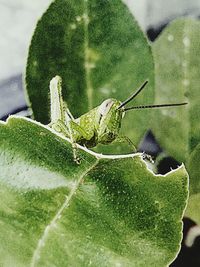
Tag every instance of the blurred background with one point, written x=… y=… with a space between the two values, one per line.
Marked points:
x=17 y=23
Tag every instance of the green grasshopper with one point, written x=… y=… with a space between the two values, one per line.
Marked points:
x=101 y=125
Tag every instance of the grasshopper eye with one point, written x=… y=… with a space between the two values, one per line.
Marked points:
x=105 y=107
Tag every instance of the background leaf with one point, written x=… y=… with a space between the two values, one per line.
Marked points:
x=99 y=51
x=106 y=211
x=177 y=80
x=193 y=167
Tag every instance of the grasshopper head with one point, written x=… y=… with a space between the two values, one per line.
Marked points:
x=111 y=111
x=108 y=120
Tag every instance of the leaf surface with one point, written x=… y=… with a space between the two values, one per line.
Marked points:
x=99 y=51
x=193 y=167
x=107 y=211
x=177 y=80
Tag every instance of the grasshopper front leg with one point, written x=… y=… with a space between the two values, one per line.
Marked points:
x=125 y=139
x=60 y=114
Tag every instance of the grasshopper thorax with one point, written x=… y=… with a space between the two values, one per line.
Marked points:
x=108 y=120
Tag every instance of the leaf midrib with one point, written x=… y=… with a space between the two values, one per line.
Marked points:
x=89 y=88
x=65 y=205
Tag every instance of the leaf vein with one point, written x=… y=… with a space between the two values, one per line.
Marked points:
x=87 y=56
x=51 y=225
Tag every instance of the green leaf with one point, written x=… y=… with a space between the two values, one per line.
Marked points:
x=107 y=211
x=177 y=80
x=194 y=170
x=99 y=51
x=192 y=210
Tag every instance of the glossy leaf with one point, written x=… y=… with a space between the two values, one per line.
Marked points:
x=107 y=211
x=99 y=51
x=177 y=80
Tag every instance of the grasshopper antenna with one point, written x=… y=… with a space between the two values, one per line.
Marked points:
x=133 y=95
x=156 y=106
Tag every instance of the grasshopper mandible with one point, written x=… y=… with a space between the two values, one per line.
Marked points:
x=101 y=125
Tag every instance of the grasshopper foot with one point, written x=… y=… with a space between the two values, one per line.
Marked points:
x=77 y=160
x=147 y=157
x=75 y=156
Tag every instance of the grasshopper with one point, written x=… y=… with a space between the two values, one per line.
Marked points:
x=101 y=125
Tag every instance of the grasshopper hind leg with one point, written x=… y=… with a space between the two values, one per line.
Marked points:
x=57 y=106
x=66 y=131
x=60 y=114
